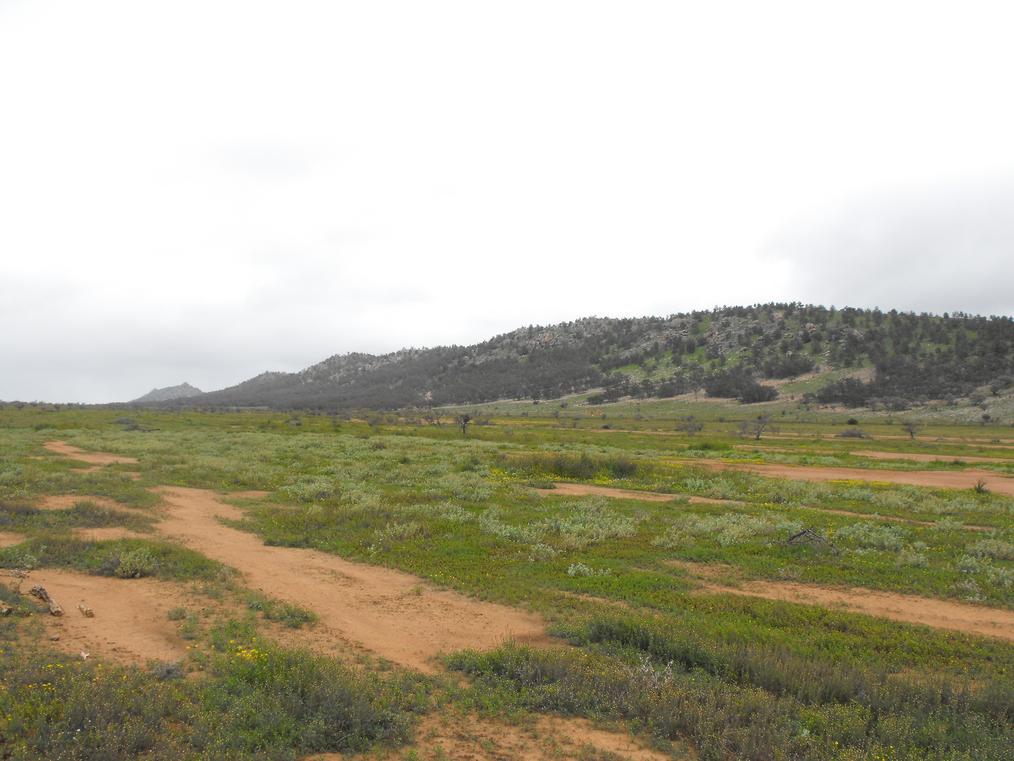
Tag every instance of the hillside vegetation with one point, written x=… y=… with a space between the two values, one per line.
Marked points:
x=725 y=352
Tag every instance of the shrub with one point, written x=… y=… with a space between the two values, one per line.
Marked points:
x=580 y=569
x=872 y=536
x=911 y=558
x=727 y=529
x=996 y=549
x=133 y=564
x=593 y=520
x=540 y=552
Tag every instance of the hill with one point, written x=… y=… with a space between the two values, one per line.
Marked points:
x=726 y=352
x=169 y=393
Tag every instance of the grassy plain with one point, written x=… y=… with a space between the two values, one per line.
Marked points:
x=649 y=633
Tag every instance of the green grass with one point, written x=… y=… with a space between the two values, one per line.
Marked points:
x=737 y=677
x=124 y=558
x=257 y=701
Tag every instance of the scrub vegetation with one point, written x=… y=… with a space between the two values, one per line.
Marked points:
x=657 y=625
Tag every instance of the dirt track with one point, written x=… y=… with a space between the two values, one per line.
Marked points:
x=401 y=618
x=567 y=489
x=391 y=613
x=67 y=501
x=9 y=539
x=939 y=614
x=92 y=458
x=544 y=738
x=935 y=479
x=922 y=457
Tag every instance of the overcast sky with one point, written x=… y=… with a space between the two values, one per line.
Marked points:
x=204 y=190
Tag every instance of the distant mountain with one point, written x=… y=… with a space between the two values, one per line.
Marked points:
x=725 y=351
x=168 y=394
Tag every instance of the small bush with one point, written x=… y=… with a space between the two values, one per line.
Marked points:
x=540 y=552
x=580 y=569
x=727 y=529
x=134 y=564
x=911 y=558
x=872 y=536
x=996 y=549
x=167 y=670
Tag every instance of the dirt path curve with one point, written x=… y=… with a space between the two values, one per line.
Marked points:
x=67 y=501
x=92 y=458
x=130 y=623
x=939 y=614
x=450 y=735
x=391 y=613
x=935 y=479
x=567 y=489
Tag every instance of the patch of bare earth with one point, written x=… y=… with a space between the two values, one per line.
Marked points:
x=390 y=613
x=939 y=614
x=924 y=457
x=9 y=538
x=566 y=489
x=130 y=622
x=67 y=501
x=544 y=738
x=82 y=455
x=935 y=479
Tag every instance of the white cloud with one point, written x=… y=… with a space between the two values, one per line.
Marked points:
x=201 y=190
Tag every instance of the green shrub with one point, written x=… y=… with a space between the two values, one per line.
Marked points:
x=580 y=569
x=996 y=549
x=133 y=564
x=872 y=536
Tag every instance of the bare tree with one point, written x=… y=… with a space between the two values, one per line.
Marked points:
x=689 y=425
x=911 y=428
x=756 y=427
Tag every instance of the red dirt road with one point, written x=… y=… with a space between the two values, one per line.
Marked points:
x=935 y=479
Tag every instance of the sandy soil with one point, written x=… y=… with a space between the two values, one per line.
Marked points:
x=919 y=457
x=939 y=614
x=937 y=479
x=565 y=489
x=9 y=538
x=92 y=458
x=106 y=533
x=545 y=738
x=67 y=501
x=390 y=613
x=970 y=441
x=130 y=623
